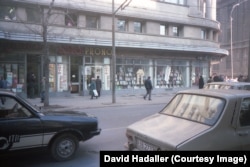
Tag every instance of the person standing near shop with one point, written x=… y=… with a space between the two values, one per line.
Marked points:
x=149 y=87
x=42 y=90
x=31 y=85
x=92 y=88
x=98 y=83
x=201 y=82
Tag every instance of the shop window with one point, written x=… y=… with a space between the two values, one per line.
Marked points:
x=88 y=59
x=33 y=15
x=70 y=19
x=7 y=13
x=122 y=25
x=92 y=22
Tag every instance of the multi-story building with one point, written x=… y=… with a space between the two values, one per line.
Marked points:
x=173 y=41
x=238 y=28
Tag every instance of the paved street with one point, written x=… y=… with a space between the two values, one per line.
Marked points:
x=75 y=101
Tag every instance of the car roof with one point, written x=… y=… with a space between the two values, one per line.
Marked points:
x=6 y=92
x=217 y=92
x=229 y=83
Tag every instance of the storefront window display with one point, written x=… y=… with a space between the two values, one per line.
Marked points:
x=13 y=71
x=58 y=73
x=131 y=73
x=199 y=68
x=171 y=73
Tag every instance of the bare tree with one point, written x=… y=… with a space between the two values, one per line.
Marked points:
x=45 y=21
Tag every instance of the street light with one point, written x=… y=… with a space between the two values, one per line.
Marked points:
x=122 y=6
x=231 y=41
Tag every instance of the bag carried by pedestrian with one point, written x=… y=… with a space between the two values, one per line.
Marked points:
x=95 y=92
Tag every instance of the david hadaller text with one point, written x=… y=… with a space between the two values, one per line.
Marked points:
x=173 y=159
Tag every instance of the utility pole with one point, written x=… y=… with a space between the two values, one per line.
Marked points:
x=113 y=69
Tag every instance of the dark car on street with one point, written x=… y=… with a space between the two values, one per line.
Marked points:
x=23 y=126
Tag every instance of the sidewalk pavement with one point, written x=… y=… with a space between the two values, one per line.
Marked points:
x=75 y=101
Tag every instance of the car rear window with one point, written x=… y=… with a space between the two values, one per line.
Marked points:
x=199 y=108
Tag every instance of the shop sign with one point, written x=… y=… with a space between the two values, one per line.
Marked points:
x=87 y=51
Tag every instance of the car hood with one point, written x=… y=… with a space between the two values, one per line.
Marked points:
x=68 y=119
x=160 y=129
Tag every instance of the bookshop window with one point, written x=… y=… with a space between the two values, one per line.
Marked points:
x=7 y=13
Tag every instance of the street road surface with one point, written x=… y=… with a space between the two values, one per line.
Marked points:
x=113 y=122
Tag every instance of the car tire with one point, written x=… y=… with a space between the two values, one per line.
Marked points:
x=64 y=147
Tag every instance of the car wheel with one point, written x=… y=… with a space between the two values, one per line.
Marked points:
x=64 y=147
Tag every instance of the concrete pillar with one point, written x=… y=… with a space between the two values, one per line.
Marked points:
x=211 y=9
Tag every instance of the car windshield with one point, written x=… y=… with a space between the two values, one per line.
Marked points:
x=198 y=108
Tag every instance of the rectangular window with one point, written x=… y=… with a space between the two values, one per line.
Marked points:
x=203 y=34
x=181 y=2
x=70 y=19
x=92 y=22
x=176 y=31
x=33 y=15
x=7 y=13
x=121 y=25
x=163 y=29
x=138 y=27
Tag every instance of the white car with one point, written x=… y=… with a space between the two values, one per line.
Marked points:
x=228 y=85
x=196 y=120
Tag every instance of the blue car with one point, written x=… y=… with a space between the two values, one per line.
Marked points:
x=23 y=126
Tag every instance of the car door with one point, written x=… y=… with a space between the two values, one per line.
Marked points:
x=243 y=130
x=19 y=127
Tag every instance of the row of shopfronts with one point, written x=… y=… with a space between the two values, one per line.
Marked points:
x=72 y=66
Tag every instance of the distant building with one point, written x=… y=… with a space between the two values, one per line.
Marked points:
x=173 y=41
x=240 y=37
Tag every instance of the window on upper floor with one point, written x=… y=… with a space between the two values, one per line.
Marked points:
x=177 y=31
x=92 y=22
x=121 y=25
x=203 y=34
x=70 y=19
x=7 y=13
x=33 y=15
x=163 y=29
x=138 y=27
x=180 y=2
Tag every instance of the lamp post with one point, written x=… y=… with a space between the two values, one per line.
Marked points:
x=122 y=6
x=231 y=34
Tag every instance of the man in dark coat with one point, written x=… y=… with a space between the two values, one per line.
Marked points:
x=149 y=87
x=98 y=83
x=201 y=82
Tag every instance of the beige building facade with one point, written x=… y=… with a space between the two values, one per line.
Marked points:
x=173 y=41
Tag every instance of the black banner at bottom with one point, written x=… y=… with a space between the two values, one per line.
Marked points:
x=174 y=158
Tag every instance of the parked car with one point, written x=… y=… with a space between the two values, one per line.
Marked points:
x=196 y=120
x=228 y=85
x=23 y=126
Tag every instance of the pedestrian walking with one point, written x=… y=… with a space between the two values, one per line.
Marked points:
x=3 y=83
x=149 y=87
x=201 y=82
x=98 y=83
x=92 y=88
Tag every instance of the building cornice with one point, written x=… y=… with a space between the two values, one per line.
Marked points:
x=108 y=43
